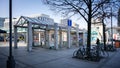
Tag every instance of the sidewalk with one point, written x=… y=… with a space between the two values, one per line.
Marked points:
x=46 y=58
x=114 y=61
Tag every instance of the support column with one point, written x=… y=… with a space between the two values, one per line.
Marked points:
x=69 y=37
x=56 y=35
x=34 y=42
x=15 y=37
x=61 y=43
x=47 y=45
x=45 y=32
x=39 y=39
x=77 y=33
x=30 y=37
x=26 y=37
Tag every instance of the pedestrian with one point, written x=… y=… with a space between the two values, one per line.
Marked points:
x=97 y=47
x=98 y=41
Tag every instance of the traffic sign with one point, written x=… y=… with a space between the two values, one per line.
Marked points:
x=69 y=22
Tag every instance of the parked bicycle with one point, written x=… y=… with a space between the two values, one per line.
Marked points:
x=80 y=53
x=110 y=47
x=103 y=53
x=95 y=52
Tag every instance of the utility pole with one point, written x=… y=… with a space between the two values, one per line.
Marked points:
x=10 y=61
x=111 y=28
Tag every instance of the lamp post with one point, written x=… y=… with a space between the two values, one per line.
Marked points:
x=10 y=61
x=111 y=28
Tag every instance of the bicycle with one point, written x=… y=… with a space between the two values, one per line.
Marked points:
x=110 y=48
x=80 y=53
x=102 y=52
x=96 y=52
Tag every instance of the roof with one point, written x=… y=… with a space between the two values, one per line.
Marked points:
x=3 y=31
x=39 y=22
x=35 y=20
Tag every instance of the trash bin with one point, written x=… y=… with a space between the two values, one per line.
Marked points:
x=117 y=44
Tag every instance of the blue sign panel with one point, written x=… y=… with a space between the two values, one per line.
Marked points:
x=94 y=35
x=69 y=22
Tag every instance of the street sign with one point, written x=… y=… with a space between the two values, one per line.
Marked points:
x=69 y=22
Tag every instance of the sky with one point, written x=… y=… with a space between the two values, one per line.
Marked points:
x=34 y=7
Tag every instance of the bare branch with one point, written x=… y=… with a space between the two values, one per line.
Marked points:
x=73 y=7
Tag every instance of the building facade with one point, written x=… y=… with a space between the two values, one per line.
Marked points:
x=2 y=22
x=96 y=31
x=6 y=24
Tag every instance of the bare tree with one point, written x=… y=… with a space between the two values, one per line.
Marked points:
x=106 y=12
x=87 y=9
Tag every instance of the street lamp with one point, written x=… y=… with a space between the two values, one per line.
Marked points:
x=111 y=28
x=10 y=61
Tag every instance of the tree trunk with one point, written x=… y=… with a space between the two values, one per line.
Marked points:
x=89 y=29
x=104 y=36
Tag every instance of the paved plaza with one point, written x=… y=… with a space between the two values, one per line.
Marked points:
x=47 y=58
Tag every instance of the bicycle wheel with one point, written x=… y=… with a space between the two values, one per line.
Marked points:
x=78 y=54
x=104 y=54
x=74 y=53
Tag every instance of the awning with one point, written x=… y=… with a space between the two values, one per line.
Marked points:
x=3 y=31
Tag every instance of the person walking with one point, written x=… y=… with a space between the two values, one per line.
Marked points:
x=98 y=49
x=98 y=41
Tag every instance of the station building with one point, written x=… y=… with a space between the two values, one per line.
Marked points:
x=43 y=31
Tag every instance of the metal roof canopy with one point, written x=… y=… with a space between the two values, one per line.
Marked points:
x=38 y=24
